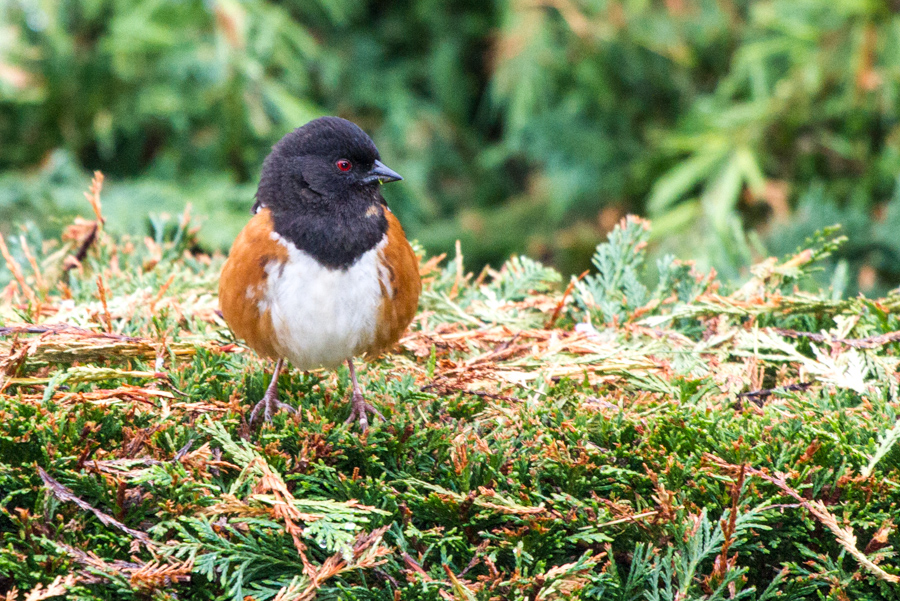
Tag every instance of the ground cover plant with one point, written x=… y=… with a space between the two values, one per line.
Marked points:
x=641 y=432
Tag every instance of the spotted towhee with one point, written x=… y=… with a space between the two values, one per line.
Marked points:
x=322 y=272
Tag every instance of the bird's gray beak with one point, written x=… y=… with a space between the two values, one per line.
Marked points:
x=381 y=173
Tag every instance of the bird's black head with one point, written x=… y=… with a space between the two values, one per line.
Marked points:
x=321 y=183
x=331 y=157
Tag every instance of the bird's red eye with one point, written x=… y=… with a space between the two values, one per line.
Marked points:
x=344 y=165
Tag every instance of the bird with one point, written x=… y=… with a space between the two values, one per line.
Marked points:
x=322 y=272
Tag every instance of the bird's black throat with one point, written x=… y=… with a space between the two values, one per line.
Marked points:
x=336 y=234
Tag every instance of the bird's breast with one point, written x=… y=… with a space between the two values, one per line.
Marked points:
x=285 y=303
x=322 y=316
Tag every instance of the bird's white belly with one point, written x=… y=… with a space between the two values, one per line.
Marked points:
x=322 y=316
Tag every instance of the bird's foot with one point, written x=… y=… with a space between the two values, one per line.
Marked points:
x=270 y=405
x=359 y=408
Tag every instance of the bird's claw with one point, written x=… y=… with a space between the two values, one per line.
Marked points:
x=359 y=408
x=270 y=406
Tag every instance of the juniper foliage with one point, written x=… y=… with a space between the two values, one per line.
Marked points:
x=711 y=443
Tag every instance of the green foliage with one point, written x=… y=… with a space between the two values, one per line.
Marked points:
x=454 y=299
x=520 y=277
x=616 y=289
x=231 y=557
x=699 y=542
x=711 y=443
x=873 y=248
x=740 y=126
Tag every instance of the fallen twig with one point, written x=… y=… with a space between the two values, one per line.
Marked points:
x=869 y=342
x=759 y=396
x=64 y=494
x=845 y=537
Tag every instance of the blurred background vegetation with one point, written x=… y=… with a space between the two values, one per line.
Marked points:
x=530 y=126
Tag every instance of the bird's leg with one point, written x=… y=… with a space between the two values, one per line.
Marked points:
x=358 y=405
x=270 y=400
